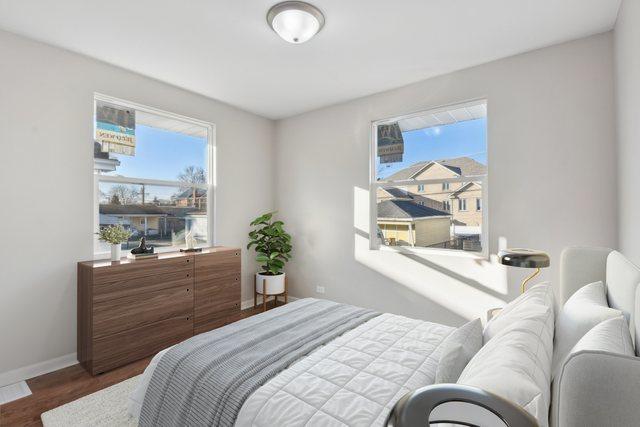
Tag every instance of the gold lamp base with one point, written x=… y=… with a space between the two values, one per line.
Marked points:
x=523 y=285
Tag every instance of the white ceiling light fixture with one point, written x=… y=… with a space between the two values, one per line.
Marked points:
x=295 y=21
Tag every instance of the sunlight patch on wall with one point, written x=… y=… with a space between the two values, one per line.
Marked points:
x=463 y=283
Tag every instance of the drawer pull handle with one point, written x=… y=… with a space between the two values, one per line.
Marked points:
x=187 y=274
x=187 y=289
x=188 y=260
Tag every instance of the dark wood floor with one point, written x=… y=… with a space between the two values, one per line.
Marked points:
x=66 y=385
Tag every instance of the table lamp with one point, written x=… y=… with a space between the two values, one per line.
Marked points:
x=524 y=258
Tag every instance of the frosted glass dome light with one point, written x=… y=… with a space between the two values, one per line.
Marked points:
x=295 y=21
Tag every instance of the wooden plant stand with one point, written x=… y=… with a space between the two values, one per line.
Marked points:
x=265 y=295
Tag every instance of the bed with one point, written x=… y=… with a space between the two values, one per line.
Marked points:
x=353 y=379
x=319 y=363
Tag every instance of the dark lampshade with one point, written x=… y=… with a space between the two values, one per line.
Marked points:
x=526 y=258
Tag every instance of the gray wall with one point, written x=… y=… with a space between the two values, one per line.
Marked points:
x=627 y=60
x=551 y=157
x=46 y=102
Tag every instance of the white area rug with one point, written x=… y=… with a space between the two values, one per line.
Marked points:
x=107 y=407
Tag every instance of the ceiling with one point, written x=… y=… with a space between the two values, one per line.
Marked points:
x=225 y=50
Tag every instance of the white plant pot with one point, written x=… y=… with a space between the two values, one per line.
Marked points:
x=116 y=252
x=269 y=285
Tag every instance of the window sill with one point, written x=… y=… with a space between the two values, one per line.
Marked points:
x=159 y=250
x=434 y=251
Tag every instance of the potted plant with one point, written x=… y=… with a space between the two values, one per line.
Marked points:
x=114 y=235
x=273 y=249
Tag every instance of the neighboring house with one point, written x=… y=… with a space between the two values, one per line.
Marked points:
x=404 y=222
x=159 y=222
x=401 y=194
x=463 y=200
x=192 y=197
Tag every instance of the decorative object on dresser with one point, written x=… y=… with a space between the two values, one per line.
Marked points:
x=134 y=308
x=190 y=242
x=142 y=251
x=273 y=249
x=115 y=235
x=524 y=258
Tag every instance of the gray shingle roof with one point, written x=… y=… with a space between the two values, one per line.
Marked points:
x=406 y=209
x=459 y=165
x=399 y=193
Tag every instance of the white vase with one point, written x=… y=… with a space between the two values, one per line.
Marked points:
x=269 y=285
x=116 y=252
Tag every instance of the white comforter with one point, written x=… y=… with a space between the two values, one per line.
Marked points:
x=352 y=381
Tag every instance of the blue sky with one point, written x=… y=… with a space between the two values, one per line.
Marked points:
x=160 y=155
x=467 y=138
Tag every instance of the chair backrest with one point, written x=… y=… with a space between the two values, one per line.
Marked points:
x=580 y=266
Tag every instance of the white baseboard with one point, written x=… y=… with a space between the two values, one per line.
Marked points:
x=26 y=372
x=249 y=302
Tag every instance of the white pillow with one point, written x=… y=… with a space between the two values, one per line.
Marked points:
x=516 y=363
x=586 y=308
x=457 y=349
x=611 y=336
x=541 y=294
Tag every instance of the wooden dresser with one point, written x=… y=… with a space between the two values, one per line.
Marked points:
x=130 y=309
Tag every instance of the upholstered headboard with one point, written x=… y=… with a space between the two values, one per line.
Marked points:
x=583 y=265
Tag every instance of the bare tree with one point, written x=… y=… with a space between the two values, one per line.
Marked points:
x=192 y=175
x=123 y=194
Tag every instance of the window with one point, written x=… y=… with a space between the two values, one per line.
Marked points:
x=440 y=154
x=153 y=174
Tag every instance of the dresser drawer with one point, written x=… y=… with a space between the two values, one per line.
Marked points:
x=130 y=287
x=141 y=268
x=134 y=344
x=137 y=309
x=215 y=316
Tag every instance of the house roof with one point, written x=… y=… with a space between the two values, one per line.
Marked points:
x=465 y=188
x=398 y=193
x=174 y=211
x=459 y=165
x=188 y=193
x=406 y=209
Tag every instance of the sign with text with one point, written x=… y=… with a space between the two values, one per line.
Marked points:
x=390 y=143
x=116 y=129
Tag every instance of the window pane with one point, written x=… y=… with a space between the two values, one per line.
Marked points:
x=406 y=218
x=446 y=144
x=432 y=146
x=164 y=149
x=160 y=213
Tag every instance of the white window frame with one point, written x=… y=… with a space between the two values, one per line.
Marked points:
x=209 y=186
x=374 y=184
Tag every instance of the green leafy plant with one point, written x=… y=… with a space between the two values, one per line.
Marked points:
x=272 y=244
x=114 y=234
